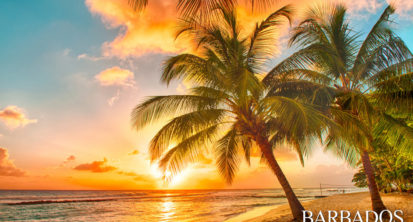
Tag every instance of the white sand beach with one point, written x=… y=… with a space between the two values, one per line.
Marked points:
x=352 y=202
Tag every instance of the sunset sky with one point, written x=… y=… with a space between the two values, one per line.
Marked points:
x=72 y=70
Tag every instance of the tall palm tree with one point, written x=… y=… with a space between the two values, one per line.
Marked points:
x=228 y=108
x=366 y=79
x=189 y=8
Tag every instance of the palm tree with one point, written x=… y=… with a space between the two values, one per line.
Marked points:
x=188 y=8
x=366 y=79
x=228 y=108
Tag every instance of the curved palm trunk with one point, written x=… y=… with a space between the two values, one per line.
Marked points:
x=376 y=201
x=295 y=205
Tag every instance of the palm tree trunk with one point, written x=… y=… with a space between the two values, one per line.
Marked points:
x=295 y=205
x=376 y=201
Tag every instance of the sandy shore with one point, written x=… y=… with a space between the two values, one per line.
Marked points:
x=351 y=202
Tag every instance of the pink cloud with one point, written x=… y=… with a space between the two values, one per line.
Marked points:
x=7 y=167
x=13 y=117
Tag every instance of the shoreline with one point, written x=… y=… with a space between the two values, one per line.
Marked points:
x=351 y=201
x=250 y=214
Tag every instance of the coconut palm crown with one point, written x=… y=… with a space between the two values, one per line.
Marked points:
x=228 y=109
x=367 y=78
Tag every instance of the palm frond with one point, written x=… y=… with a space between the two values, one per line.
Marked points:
x=393 y=70
x=182 y=127
x=187 y=150
x=138 y=5
x=379 y=33
x=342 y=150
x=228 y=155
x=158 y=107
x=246 y=143
x=299 y=60
x=398 y=129
x=203 y=8
x=262 y=40
x=300 y=120
x=395 y=93
x=304 y=90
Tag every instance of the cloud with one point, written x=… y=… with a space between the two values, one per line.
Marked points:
x=282 y=153
x=144 y=178
x=131 y=174
x=96 y=167
x=404 y=8
x=285 y=155
x=152 y=31
x=88 y=57
x=66 y=52
x=116 y=76
x=69 y=159
x=140 y=178
x=13 y=117
x=114 y=98
x=360 y=7
x=364 y=8
x=134 y=152
x=7 y=167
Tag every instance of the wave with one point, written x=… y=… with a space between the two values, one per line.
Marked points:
x=32 y=200
x=58 y=201
x=113 y=198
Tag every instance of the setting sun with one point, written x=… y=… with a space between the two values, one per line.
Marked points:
x=168 y=178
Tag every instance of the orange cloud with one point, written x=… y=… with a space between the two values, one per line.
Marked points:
x=13 y=117
x=140 y=178
x=7 y=167
x=126 y=173
x=115 y=76
x=152 y=31
x=134 y=152
x=71 y=158
x=96 y=166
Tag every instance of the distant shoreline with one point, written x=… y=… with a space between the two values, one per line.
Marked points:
x=351 y=202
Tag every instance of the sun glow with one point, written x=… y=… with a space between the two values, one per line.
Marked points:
x=167 y=177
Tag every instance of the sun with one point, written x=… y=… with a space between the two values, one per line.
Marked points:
x=174 y=179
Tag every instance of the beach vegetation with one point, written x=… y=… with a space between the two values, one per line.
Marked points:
x=367 y=75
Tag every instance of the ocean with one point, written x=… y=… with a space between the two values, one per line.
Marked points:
x=141 y=205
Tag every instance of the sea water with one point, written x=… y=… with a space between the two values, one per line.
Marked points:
x=141 y=205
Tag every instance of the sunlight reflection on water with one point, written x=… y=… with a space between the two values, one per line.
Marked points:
x=168 y=209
